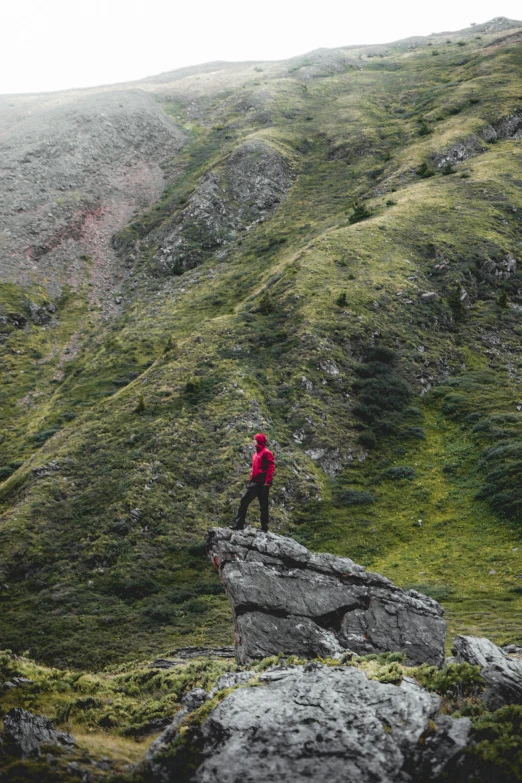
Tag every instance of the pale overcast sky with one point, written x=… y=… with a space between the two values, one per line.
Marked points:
x=59 y=44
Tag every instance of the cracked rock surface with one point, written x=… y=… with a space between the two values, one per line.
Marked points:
x=286 y=599
x=25 y=733
x=317 y=722
x=231 y=198
x=502 y=673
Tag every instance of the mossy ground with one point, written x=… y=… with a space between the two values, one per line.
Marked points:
x=149 y=415
x=114 y=715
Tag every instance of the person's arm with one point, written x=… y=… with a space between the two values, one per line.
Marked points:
x=271 y=468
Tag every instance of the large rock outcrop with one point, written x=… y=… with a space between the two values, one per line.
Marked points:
x=317 y=722
x=287 y=599
x=230 y=198
x=502 y=673
x=25 y=733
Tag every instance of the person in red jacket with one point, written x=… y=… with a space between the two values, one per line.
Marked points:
x=259 y=483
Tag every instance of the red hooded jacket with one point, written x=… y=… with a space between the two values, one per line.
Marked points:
x=263 y=464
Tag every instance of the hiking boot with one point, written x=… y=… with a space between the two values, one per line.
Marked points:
x=237 y=526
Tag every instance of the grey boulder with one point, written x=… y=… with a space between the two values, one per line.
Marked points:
x=320 y=723
x=286 y=599
x=502 y=674
x=25 y=733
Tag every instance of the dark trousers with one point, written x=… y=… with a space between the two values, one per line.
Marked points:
x=259 y=491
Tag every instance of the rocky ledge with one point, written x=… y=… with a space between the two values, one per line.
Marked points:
x=286 y=599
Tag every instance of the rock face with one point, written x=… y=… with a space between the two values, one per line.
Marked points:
x=287 y=599
x=502 y=674
x=459 y=151
x=25 y=733
x=253 y=181
x=315 y=722
x=509 y=127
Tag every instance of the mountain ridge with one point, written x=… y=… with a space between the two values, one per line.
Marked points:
x=365 y=312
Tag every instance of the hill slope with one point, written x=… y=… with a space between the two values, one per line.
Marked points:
x=327 y=249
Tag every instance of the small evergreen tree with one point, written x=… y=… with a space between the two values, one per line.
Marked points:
x=424 y=128
x=360 y=212
x=425 y=170
x=140 y=407
x=455 y=302
x=502 y=300
x=265 y=304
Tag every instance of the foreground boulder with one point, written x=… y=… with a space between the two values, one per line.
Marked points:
x=25 y=733
x=502 y=674
x=286 y=599
x=316 y=722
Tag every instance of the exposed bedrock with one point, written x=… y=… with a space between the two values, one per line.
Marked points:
x=231 y=198
x=317 y=722
x=502 y=673
x=286 y=599
x=25 y=733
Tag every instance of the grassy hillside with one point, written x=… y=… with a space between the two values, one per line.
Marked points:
x=368 y=319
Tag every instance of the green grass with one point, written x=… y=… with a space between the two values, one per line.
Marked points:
x=154 y=409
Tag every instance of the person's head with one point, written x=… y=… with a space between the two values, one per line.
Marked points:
x=259 y=440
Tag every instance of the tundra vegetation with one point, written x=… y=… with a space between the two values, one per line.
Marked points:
x=336 y=260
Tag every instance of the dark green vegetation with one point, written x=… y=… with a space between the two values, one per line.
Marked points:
x=114 y=714
x=376 y=340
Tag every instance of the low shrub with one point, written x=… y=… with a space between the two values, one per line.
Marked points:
x=43 y=435
x=456 y=680
x=413 y=433
x=386 y=392
x=498 y=745
x=371 y=369
x=502 y=300
x=195 y=606
x=425 y=170
x=360 y=212
x=437 y=592
x=400 y=472
x=391 y=674
x=367 y=439
x=380 y=353
x=5 y=472
x=192 y=387
x=265 y=305
x=355 y=497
